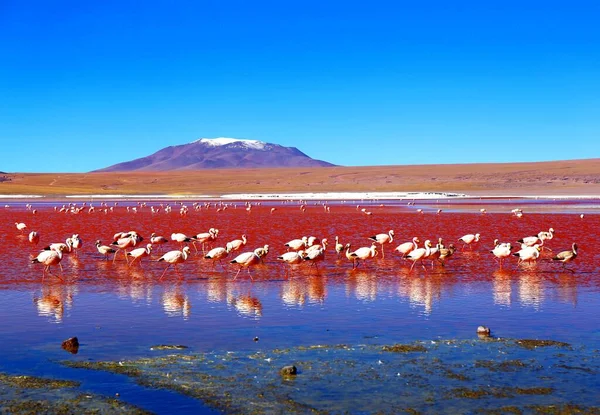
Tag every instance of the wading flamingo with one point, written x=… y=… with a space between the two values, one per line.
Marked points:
x=174 y=258
x=383 y=238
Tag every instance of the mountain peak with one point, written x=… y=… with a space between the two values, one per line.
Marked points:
x=223 y=141
x=220 y=153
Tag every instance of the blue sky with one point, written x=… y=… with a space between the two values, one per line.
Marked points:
x=84 y=85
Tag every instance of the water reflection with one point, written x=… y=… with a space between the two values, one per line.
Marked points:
x=54 y=300
x=531 y=289
x=295 y=292
x=502 y=287
x=245 y=304
x=362 y=284
x=420 y=292
x=175 y=302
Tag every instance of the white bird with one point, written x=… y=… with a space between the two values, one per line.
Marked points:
x=339 y=248
x=292 y=258
x=124 y=243
x=245 y=260
x=501 y=251
x=139 y=253
x=158 y=240
x=383 y=238
x=262 y=252
x=316 y=253
x=20 y=226
x=49 y=258
x=469 y=239
x=363 y=254
x=174 y=258
x=406 y=247
x=76 y=242
x=297 y=244
x=419 y=254
x=217 y=254
x=237 y=243
x=66 y=247
x=528 y=253
x=180 y=237
x=34 y=237
x=104 y=250
x=205 y=237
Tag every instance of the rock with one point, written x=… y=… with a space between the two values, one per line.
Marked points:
x=288 y=371
x=256 y=339
x=483 y=331
x=71 y=345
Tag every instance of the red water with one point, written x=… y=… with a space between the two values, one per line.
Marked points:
x=118 y=311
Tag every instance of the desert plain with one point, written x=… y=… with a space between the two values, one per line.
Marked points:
x=565 y=178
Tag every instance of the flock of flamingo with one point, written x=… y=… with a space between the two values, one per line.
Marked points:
x=307 y=249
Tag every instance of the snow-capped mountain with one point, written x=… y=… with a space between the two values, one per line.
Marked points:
x=219 y=153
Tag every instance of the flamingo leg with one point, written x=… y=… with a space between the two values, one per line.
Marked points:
x=163 y=274
x=237 y=273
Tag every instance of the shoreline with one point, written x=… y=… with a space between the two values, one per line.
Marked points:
x=333 y=196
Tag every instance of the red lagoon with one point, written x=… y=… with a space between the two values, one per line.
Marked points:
x=119 y=310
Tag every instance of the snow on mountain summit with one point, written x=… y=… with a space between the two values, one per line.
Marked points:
x=222 y=141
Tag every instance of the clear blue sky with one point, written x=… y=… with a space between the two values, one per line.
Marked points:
x=87 y=84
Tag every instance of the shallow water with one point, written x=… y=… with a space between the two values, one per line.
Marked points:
x=119 y=312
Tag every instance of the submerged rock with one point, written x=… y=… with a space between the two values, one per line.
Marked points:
x=169 y=347
x=71 y=345
x=289 y=370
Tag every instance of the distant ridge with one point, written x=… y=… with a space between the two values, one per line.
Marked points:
x=219 y=153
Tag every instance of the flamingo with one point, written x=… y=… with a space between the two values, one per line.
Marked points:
x=406 y=247
x=20 y=226
x=297 y=244
x=50 y=258
x=217 y=254
x=292 y=258
x=530 y=241
x=363 y=253
x=104 y=250
x=528 y=253
x=139 y=253
x=123 y=244
x=469 y=239
x=174 y=258
x=203 y=238
x=434 y=253
x=247 y=260
x=566 y=256
x=501 y=251
x=157 y=239
x=237 y=243
x=419 y=254
x=67 y=246
x=76 y=242
x=316 y=253
x=34 y=237
x=383 y=238
x=262 y=252
x=181 y=238
x=446 y=253
x=339 y=248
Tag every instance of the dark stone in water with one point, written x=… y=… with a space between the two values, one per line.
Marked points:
x=71 y=345
x=290 y=370
x=256 y=339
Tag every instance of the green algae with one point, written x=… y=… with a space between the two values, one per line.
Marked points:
x=26 y=395
x=533 y=344
x=33 y=382
x=169 y=347
x=449 y=376
x=404 y=348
